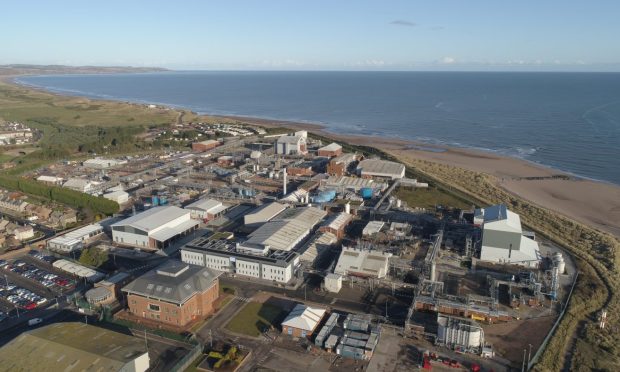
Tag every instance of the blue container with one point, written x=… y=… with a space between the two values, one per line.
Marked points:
x=366 y=192
x=163 y=200
x=155 y=201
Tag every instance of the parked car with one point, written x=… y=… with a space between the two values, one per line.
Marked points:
x=35 y=321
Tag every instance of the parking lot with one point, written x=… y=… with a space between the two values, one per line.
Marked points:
x=29 y=282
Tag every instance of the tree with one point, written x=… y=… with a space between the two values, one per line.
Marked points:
x=93 y=257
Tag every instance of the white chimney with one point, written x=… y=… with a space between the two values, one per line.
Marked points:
x=284 y=182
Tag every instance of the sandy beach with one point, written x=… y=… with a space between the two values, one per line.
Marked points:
x=594 y=203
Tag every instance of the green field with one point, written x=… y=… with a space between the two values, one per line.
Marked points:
x=255 y=318
x=428 y=198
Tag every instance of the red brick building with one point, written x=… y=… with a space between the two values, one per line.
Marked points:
x=302 y=321
x=338 y=165
x=175 y=293
x=205 y=145
x=331 y=150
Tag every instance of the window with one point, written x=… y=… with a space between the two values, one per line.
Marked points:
x=153 y=307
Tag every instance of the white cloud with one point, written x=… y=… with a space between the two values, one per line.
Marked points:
x=447 y=60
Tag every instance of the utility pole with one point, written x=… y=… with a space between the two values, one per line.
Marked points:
x=529 y=356
x=523 y=364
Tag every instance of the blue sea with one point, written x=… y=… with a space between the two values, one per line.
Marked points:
x=568 y=121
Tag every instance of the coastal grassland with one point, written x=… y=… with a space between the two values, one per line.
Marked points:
x=31 y=106
x=429 y=198
x=577 y=343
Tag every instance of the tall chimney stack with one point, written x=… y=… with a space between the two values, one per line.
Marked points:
x=284 y=182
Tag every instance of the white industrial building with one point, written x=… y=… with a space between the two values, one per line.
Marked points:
x=206 y=209
x=74 y=240
x=224 y=255
x=333 y=283
x=381 y=168
x=263 y=214
x=364 y=263
x=52 y=180
x=155 y=228
x=502 y=237
x=78 y=270
x=372 y=228
x=101 y=163
x=118 y=196
x=459 y=333
x=285 y=231
x=292 y=145
x=79 y=184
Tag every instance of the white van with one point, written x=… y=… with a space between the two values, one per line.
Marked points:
x=35 y=321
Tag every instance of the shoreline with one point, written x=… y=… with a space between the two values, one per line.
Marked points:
x=593 y=202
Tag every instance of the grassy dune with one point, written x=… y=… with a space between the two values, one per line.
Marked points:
x=33 y=106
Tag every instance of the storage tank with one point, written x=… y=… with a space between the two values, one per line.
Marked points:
x=366 y=192
x=155 y=201
x=163 y=200
x=558 y=261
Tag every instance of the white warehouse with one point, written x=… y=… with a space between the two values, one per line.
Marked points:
x=156 y=228
x=502 y=238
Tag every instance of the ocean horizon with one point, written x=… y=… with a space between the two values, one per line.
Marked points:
x=566 y=121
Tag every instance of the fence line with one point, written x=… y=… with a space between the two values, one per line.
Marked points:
x=542 y=347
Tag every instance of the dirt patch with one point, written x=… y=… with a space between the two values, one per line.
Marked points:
x=510 y=339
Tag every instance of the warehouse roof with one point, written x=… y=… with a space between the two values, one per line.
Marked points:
x=316 y=246
x=71 y=346
x=265 y=212
x=381 y=168
x=204 y=204
x=331 y=147
x=279 y=235
x=174 y=281
x=339 y=221
x=304 y=317
x=153 y=218
x=309 y=216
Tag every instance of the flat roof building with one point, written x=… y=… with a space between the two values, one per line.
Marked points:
x=174 y=293
x=364 y=263
x=381 y=168
x=74 y=346
x=225 y=255
x=155 y=228
x=74 y=240
x=118 y=196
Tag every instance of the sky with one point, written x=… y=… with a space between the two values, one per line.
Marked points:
x=548 y=35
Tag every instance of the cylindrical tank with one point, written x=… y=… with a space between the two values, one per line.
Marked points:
x=398 y=203
x=163 y=200
x=347 y=208
x=155 y=201
x=271 y=174
x=366 y=192
x=558 y=261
